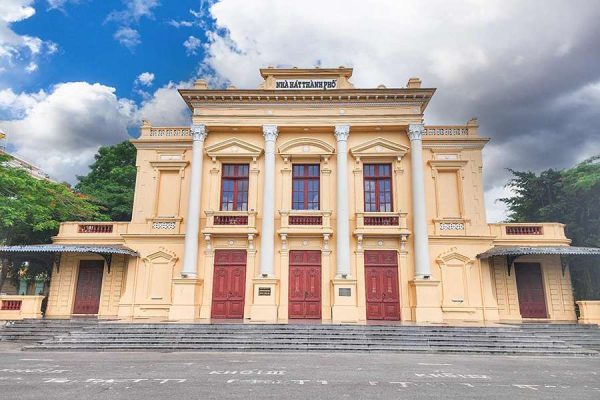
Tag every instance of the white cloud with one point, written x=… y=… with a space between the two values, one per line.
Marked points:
x=166 y=107
x=134 y=11
x=192 y=44
x=128 y=37
x=60 y=4
x=15 y=49
x=60 y=131
x=31 y=67
x=145 y=79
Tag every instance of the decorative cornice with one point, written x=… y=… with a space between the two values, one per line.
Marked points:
x=270 y=132
x=199 y=132
x=342 y=132
x=415 y=131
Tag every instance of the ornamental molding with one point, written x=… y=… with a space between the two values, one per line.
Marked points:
x=379 y=147
x=305 y=146
x=199 y=132
x=453 y=254
x=415 y=131
x=162 y=255
x=233 y=148
x=270 y=132
x=342 y=132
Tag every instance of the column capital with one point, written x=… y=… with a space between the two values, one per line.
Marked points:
x=199 y=132
x=415 y=131
x=342 y=132
x=270 y=132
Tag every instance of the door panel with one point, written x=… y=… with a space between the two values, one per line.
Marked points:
x=305 y=285
x=229 y=284
x=381 y=285
x=89 y=286
x=530 y=288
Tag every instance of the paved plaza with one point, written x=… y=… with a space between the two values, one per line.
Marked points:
x=247 y=376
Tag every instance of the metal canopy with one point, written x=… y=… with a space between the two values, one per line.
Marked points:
x=52 y=252
x=512 y=253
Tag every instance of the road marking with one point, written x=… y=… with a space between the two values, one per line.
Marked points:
x=434 y=364
x=36 y=359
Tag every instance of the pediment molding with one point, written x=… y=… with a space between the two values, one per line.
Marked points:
x=233 y=148
x=162 y=255
x=306 y=146
x=379 y=147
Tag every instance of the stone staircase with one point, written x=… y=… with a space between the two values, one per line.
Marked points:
x=92 y=335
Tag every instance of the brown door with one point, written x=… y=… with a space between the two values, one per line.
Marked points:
x=530 y=288
x=89 y=285
x=229 y=284
x=305 y=285
x=381 y=275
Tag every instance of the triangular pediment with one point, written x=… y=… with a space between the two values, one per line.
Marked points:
x=233 y=147
x=305 y=146
x=379 y=147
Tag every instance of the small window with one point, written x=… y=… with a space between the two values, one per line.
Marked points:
x=305 y=187
x=378 y=187
x=234 y=187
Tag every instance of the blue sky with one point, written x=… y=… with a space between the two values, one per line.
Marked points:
x=88 y=51
x=77 y=74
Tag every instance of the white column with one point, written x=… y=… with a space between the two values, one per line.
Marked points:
x=192 y=223
x=421 y=236
x=342 y=221
x=267 y=233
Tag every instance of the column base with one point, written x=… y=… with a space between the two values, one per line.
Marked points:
x=264 y=301
x=187 y=295
x=344 y=308
x=426 y=305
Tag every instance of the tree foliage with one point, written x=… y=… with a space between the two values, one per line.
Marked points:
x=572 y=197
x=31 y=209
x=111 y=180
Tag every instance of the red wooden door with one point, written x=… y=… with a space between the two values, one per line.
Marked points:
x=381 y=275
x=305 y=285
x=530 y=288
x=89 y=285
x=229 y=284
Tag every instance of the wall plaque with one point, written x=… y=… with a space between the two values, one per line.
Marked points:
x=306 y=84
x=345 y=292
x=264 y=291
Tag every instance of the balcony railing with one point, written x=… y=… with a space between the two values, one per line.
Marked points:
x=11 y=305
x=305 y=220
x=524 y=230
x=381 y=221
x=95 y=228
x=231 y=220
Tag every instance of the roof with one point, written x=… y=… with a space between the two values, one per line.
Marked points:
x=68 y=248
x=554 y=250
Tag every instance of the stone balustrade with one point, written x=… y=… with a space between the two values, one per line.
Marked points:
x=548 y=232
x=20 y=307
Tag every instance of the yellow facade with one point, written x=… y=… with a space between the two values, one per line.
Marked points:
x=459 y=286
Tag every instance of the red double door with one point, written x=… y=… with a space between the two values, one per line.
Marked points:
x=305 y=285
x=530 y=288
x=89 y=286
x=229 y=284
x=381 y=276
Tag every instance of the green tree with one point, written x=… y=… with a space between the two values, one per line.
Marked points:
x=111 y=180
x=572 y=197
x=31 y=209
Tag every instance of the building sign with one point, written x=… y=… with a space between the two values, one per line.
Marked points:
x=345 y=292
x=264 y=291
x=306 y=84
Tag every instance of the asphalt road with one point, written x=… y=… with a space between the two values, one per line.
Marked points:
x=248 y=376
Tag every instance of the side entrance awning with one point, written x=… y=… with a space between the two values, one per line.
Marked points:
x=512 y=253
x=50 y=253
